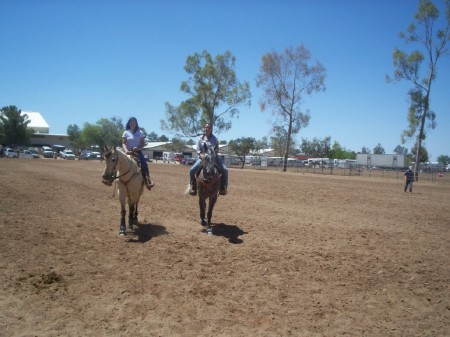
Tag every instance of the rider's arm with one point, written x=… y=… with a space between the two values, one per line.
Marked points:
x=124 y=145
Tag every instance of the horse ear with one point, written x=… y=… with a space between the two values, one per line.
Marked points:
x=205 y=146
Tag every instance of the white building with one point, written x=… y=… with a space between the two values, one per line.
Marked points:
x=37 y=122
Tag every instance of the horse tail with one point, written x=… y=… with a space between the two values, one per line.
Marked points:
x=188 y=187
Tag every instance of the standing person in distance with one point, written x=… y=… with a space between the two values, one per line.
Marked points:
x=208 y=137
x=409 y=178
x=132 y=144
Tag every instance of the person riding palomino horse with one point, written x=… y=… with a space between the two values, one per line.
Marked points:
x=208 y=137
x=125 y=170
x=132 y=144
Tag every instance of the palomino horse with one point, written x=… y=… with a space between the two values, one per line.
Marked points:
x=125 y=169
x=208 y=183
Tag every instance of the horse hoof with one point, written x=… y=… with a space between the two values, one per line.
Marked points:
x=204 y=223
x=122 y=231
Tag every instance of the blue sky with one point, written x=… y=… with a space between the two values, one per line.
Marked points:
x=78 y=61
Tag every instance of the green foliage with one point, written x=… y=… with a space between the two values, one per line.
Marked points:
x=242 y=147
x=163 y=138
x=423 y=157
x=365 y=150
x=262 y=144
x=280 y=141
x=319 y=147
x=286 y=78
x=13 y=126
x=431 y=45
x=104 y=132
x=339 y=152
x=177 y=145
x=74 y=133
x=401 y=150
x=379 y=149
x=152 y=137
x=212 y=85
x=444 y=159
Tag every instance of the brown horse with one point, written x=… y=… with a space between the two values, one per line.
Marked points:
x=208 y=183
x=125 y=169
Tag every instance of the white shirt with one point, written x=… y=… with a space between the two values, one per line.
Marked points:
x=133 y=139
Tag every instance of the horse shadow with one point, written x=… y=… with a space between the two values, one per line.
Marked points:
x=145 y=232
x=231 y=232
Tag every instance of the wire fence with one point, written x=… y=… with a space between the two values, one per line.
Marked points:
x=426 y=174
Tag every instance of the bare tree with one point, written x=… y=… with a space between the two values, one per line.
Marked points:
x=286 y=78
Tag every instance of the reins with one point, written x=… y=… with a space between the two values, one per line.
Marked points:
x=125 y=183
x=207 y=182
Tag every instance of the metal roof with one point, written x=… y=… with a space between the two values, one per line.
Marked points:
x=37 y=122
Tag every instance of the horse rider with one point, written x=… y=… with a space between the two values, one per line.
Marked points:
x=208 y=137
x=132 y=144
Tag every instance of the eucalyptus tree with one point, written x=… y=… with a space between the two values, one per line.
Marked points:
x=14 y=126
x=431 y=45
x=74 y=133
x=242 y=147
x=215 y=95
x=443 y=159
x=104 y=132
x=286 y=79
x=318 y=147
x=401 y=150
x=378 y=149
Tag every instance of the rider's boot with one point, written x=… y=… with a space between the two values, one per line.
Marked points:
x=148 y=182
x=193 y=188
x=223 y=190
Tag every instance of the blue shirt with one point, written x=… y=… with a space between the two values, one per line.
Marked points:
x=409 y=175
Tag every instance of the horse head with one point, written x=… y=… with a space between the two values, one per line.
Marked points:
x=109 y=156
x=208 y=160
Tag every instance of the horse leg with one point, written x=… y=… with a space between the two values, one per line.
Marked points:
x=212 y=202
x=131 y=216
x=135 y=217
x=123 y=212
x=202 y=204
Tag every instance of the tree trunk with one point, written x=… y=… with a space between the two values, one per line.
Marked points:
x=422 y=127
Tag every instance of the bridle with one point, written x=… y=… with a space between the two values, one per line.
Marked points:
x=114 y=175
x=212 y=177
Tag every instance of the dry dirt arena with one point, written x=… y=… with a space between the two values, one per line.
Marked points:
x=292 y=255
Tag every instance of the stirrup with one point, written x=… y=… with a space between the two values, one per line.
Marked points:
x=148 y=183
x=223 y=191
x=193 y=190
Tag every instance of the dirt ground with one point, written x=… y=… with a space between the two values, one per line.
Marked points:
x=293 y=254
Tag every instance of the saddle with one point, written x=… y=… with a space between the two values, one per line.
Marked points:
x=200 y=168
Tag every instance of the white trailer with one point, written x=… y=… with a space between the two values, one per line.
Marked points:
x=381 y=160
x=168 y=156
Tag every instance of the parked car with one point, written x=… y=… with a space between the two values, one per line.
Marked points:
x=97 y=155
x=26 y=154
x=86 y=155
x=10 y=153
x=34 y=153
x=190 y=161
x=67 y=154
x=47 y=153
x=178 y=158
